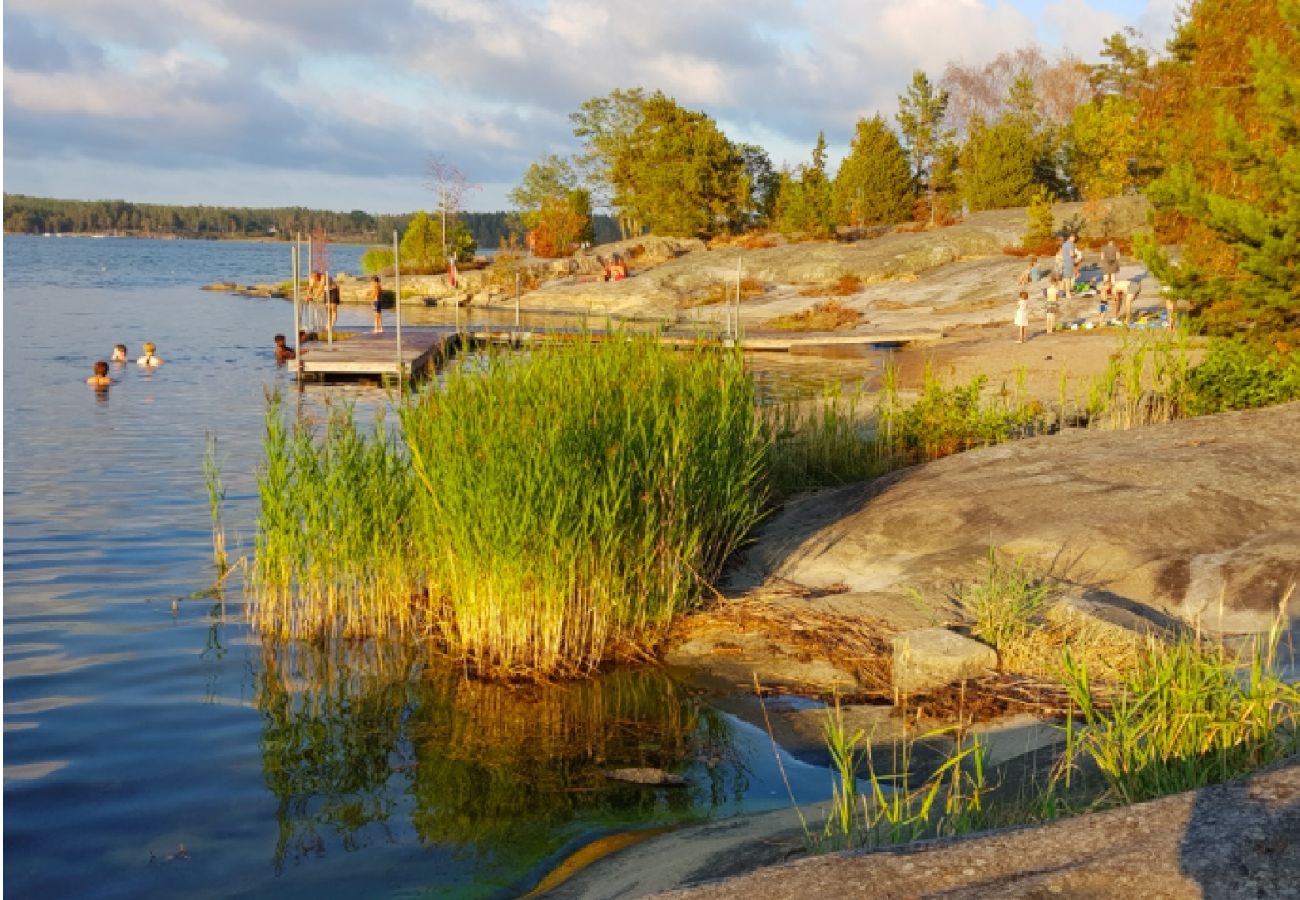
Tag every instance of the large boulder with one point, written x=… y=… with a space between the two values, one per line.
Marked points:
x=1198 y=520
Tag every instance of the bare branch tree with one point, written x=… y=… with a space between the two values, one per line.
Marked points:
x=450 y=185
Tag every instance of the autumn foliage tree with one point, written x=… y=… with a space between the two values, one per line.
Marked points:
x=1228 y=108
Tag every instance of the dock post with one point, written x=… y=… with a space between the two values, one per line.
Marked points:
x=397 y=307
x=739 y=262
x=516 y=299
x=297 y=313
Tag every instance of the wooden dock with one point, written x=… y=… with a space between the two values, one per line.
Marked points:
x=425 y=347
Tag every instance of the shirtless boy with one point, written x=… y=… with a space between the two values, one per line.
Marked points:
x=100 y=379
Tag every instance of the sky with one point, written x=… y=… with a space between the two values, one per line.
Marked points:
x=341 y=105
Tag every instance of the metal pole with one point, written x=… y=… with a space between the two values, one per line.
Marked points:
x=516 y=299
x=397 y=306
x=297 y=345
x=739 y=262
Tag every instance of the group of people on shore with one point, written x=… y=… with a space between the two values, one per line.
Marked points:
x=148 y=360
x=1116 y=296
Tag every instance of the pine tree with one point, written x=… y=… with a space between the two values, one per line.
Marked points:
x=920 y=112
x=874 y=184
x=803 y=205
x=1256 y=219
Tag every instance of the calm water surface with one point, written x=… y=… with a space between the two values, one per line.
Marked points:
x=153 y=747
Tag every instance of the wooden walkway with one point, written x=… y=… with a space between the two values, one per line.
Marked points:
x=424 y=347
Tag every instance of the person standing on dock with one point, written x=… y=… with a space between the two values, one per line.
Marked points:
x=332 y=300
x=376 y=295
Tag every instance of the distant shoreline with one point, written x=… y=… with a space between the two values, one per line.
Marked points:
x=172 y=236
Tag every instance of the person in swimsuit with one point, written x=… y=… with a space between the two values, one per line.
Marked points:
x=149 y=359
x=100 y=379
x=376 y=297
x=332 y=300
x=283 y=351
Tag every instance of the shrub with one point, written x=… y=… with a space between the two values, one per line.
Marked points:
x=376 y=259
x=1238 y=376
x=826 y=316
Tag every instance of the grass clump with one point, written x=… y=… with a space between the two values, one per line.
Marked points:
x=826 y=316
x=1187 y=715
x=1007 y=605
x=946 y=420
x=896 y=807
x=725 y=292
x=534 y=518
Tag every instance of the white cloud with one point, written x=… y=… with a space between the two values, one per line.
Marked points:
x=368 y=92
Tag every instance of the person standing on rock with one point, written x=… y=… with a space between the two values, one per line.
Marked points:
x=1067 y=261
x=1053 y=305
x=1022 y=316
x=1109 y=262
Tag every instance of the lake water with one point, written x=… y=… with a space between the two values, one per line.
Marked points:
x=153 y=747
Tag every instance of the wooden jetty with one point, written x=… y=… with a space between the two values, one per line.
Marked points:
x=424 y=347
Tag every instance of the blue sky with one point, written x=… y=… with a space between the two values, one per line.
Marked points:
x=340 y=105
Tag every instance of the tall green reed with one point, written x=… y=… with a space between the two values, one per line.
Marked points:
x=536 y=517
x=216 y=496
x=1189 y=714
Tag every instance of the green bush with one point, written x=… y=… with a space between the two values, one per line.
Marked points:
x=1237 y=376
x=376 y=259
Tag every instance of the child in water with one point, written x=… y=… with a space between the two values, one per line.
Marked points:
x=100 y=379
x=119 y=353
x=149 y=360
x=282 y=351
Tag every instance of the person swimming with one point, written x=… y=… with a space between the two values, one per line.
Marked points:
x=100 y=379
x=119 y=353
x=282 y=351
x=149 y=359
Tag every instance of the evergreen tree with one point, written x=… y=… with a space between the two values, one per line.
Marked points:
x=920 y=113
x=678 y=174
x=803 y=205
x=874 y=183
x=997 y=164
x=1252 y=282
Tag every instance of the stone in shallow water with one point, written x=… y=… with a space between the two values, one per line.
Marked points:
x=932 y=657
x=646 y=776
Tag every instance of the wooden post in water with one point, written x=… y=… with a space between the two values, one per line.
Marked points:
x=739 y=263
x=516 y=300
x=397 y=307
x=297 y=312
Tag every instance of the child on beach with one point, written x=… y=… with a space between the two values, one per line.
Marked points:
x=1022 y=316
x=119 y=353
x=375 y=296
x=149 y=360
x=1053 y=304
x=100 y=379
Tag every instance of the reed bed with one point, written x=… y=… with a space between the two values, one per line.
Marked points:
x=536 y=518
x=1187 y=715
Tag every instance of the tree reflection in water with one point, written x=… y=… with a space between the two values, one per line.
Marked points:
x=369 y=743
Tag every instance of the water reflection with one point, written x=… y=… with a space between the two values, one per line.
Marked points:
x=360 y=747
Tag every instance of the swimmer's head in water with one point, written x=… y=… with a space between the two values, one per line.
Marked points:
x=149 y=348
x=119 y=351
x=101 y=369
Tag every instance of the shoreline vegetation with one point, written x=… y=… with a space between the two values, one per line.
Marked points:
x=534 y=531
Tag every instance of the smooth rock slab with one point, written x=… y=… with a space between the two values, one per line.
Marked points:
x=933 y=657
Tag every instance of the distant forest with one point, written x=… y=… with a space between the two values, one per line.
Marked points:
x=39 y=215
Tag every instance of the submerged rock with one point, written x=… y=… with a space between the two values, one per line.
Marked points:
x=646 y=775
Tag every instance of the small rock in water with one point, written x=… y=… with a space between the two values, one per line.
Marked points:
x=646 y=776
